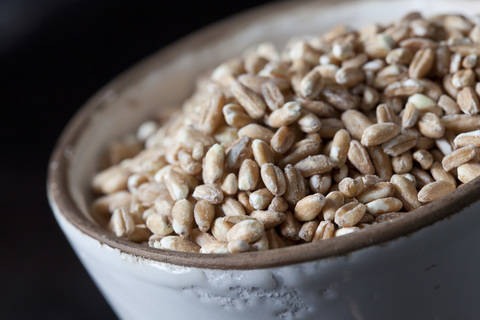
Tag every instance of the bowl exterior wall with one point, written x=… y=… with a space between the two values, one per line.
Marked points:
x=431 y=274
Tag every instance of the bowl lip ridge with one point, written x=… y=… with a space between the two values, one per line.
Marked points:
x=63 y=203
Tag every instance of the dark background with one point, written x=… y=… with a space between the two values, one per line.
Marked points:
x=54 y=54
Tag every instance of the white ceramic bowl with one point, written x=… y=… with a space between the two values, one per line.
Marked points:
x=423 y=266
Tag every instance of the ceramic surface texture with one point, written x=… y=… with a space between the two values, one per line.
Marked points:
x=432 y=274
x=429 y=274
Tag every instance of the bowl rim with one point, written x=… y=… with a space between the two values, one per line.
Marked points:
x=63 y=203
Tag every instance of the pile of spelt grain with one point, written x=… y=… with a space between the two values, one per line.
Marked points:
x=331 y=135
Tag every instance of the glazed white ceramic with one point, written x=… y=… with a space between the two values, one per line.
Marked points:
x=431 y=273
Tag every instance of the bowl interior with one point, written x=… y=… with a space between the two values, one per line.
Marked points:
x=165 y=79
